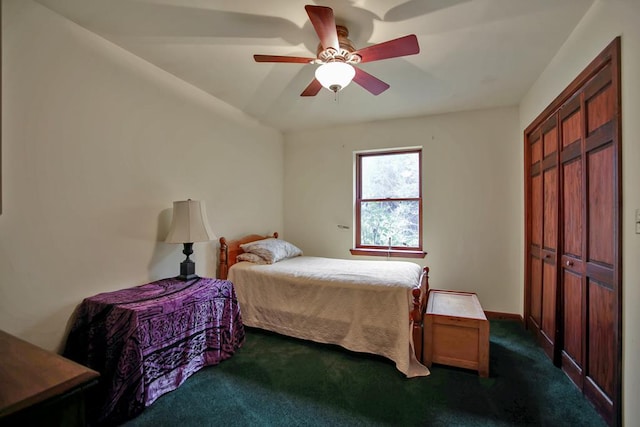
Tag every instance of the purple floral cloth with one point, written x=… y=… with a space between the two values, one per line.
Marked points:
x=147 y=340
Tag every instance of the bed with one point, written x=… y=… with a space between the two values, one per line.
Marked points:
x=373 y=307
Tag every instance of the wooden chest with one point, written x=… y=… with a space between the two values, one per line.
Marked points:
x=456 y=331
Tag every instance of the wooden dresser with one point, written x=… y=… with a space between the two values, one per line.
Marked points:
x=38 y=387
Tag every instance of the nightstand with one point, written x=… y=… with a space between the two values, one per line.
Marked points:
x=147 y=340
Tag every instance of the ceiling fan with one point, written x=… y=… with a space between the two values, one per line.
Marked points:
x=337 y=55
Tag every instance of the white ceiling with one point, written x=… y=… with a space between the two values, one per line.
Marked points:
x=474 y=53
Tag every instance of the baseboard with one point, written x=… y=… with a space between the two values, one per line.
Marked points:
x=496 y=315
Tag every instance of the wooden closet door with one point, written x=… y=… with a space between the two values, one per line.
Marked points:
x=542 y=298
x=534 y=295
x=548 y=327
x=589 y=248
x=573 y=231
x=602 y=241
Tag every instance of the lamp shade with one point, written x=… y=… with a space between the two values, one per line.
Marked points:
x=335 y=76
x=189 y=223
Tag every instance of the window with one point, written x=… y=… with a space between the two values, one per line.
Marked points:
x=389 y=203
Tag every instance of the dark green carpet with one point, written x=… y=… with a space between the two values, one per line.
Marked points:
x=278 y=381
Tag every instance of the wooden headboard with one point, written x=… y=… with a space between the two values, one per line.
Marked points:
x=230 y=249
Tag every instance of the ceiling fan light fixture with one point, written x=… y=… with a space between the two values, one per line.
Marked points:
x=335 y=75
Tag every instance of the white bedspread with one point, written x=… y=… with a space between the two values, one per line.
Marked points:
x=360 y=305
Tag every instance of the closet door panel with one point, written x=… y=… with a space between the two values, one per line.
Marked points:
x=550 y=222
x=600 y=208
x=572 y=354
x=550 y=137
x=600 y=99
x=572 y=200
x=536 y=152
x=571 y=128
x=601 y=347
x=536 y=217
x=549 y=302
x=536 y=291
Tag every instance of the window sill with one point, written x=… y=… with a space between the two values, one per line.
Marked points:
x=385 y=252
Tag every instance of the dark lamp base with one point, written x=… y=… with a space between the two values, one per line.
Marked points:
x=187 y=267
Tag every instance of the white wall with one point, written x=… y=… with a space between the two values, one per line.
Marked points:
x=472 y=191
x=97 y=144
x=604 y=21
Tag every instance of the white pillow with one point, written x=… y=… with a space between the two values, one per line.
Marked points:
x=256 y=259
x=272 y=250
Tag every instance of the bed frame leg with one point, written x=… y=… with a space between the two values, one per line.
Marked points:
x=417 y=324
x=223 y=267
x=420 y=295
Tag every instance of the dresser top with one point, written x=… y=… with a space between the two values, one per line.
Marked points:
x=30 y=374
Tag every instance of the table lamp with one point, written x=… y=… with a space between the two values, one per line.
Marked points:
x=188 y=225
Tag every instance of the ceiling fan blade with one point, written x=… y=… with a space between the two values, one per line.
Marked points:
x=288 y=59
x=370 y=83
x=403 y=46
x=325 y=25
x=313 y=88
